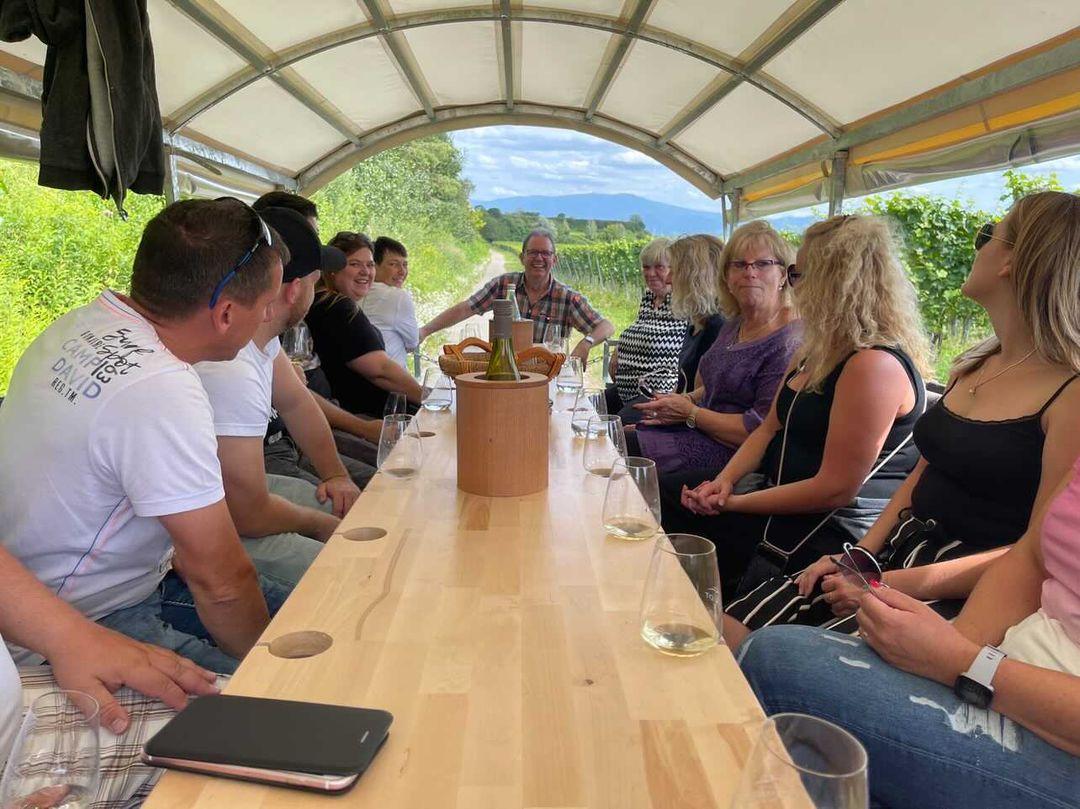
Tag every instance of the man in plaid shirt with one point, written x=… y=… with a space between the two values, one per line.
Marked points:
x=540 y=298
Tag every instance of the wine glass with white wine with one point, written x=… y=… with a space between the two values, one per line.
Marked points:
x=632 y=501
x=681 y=610
x=55 y=760
x=605 y=443
x=400 y=452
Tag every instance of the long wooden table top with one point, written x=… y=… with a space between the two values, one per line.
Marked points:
x=503 y=635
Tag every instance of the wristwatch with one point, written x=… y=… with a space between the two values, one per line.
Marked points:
x=974 y=686
x=691 y=420
x=590 y=339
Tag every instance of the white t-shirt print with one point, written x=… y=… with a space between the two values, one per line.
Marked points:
x=104 y=430
x=241 y=390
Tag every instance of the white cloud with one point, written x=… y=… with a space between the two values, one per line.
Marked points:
x=629 y=157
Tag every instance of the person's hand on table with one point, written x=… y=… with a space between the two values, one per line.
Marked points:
x=842 y=594
x=667 y=408
x=809 y=577
x=98 y=661
x=708 y=498
x=911 y=636
x=581 y=351
x=341 y=490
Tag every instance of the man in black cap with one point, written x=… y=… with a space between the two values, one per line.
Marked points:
x=283 y=520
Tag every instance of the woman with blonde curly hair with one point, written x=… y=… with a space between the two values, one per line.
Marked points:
x=992 y=449
x=836 y=442
x=734 y=382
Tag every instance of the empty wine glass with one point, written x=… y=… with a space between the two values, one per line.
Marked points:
x=55 y=759
x=400 y=453
x=570 y=376
x=681 y=610
x=604 y=444
x=803 y=761
x=589 y=402
x=297 y=343
x=554 y=338
x=656 y=383
x=396 y=404
x=438 y=390
x=632 y=501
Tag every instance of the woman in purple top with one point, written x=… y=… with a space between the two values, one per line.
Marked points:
x=738 y=376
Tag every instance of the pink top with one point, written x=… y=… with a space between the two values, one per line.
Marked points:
x=1061 y=556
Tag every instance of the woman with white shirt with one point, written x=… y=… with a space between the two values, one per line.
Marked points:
x=389 y=306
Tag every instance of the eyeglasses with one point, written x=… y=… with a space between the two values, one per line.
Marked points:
x=545 y=254
x=793 y=274
x=985 y=234
x=759 y=265
x=264 y=237
x=859 y=563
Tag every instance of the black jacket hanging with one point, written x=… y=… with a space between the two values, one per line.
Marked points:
x=101 y=124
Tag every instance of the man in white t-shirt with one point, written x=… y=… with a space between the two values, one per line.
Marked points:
x=245 y=391
x=111 y=489
x=388 y=305
x=136 y=686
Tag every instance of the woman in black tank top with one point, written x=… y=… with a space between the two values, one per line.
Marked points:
x=836 y=443
x=992 y=449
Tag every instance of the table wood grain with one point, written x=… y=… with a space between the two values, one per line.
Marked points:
x=503 y=635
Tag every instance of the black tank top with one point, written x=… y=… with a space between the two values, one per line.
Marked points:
x=981 y=476
x=809 y=427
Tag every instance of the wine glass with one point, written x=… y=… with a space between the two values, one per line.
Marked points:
x=632 y=501
x=681 y=610
x=400 y=453
x=297 y=343
x=554 y=338
x=604 y=444
x=589 y=402
x=570 y=376
x=655 y=383
x=803 y=761
x=438 y=390
x=55 y=759
x=396 y=404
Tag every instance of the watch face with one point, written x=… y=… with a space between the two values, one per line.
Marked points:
x=973 y=693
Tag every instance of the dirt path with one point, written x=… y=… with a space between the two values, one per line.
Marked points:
x=496 y=265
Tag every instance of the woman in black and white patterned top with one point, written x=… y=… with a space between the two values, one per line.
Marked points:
x=650 y=345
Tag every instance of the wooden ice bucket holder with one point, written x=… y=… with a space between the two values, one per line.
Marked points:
x=523 y=334
x=502 y=435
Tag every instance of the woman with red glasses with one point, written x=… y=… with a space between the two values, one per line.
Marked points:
x=991 y=449
x=835 y=444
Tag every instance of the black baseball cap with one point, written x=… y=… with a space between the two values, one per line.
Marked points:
x=308 y=253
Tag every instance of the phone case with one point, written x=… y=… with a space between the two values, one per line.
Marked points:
x=273 y=734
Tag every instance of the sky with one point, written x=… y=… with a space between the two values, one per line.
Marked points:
x=503 y=161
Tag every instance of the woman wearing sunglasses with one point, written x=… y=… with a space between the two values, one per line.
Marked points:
x=991 y=449
x=835 y=444
x=981 y=713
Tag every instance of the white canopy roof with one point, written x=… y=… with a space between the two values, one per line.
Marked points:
x=774 y=104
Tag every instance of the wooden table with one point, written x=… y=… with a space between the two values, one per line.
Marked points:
x=503 y=635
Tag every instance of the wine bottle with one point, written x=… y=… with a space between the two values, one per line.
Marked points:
x=511 y=295
x=502 y=366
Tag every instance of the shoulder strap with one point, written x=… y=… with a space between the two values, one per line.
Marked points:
x=1057 y=393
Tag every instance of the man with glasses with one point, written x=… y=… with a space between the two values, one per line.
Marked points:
x=277 y=510
x=540 y=298
x=112 y=496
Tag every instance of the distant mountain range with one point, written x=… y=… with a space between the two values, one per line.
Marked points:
x=660 y=218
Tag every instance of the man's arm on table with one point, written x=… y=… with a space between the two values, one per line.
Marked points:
x=600 y=332
x=444 y=320
x=309 y=428
x=88 y=657
x=255 y=511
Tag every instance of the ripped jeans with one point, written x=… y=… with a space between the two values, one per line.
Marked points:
x=927 y=748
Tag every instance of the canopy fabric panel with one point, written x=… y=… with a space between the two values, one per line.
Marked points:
x=760 y=100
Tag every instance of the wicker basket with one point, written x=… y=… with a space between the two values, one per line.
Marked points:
x=455 y=360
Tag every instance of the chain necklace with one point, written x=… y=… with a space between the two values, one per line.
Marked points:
x=974 y=389
x=747 y=336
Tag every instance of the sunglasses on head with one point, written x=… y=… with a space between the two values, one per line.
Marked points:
x=263 y=237
x=859 y=566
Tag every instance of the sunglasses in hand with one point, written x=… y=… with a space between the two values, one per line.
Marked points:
x=860 y=567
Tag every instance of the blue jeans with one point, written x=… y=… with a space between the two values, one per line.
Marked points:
x=168 y=618
x=927 y=748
